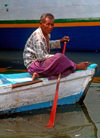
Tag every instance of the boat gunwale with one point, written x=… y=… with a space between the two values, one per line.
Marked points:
x=46 y=82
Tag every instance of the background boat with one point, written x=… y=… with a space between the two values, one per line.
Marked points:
x=78 y=19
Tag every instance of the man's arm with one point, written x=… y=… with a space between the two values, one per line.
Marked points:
x=57 y=43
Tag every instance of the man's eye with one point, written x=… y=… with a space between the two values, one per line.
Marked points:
x=50 y=24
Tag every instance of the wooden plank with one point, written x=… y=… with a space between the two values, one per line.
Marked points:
x=25 y=83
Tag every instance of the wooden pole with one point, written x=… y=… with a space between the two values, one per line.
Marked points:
x=25 y=83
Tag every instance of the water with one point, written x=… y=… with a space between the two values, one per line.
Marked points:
x=92 y=102
x=72 y=121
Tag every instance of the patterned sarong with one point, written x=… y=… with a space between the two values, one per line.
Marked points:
x=53 y=66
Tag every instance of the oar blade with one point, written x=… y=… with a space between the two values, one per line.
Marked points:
x=53 y=112
x=54 y=107
x=51 y=122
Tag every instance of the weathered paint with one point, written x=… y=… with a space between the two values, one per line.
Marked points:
x=63 y=101
x=32 y=9
x=40 y=95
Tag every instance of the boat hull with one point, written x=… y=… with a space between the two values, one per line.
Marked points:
x=81 y=37
x=73 y=89
x=78 y=19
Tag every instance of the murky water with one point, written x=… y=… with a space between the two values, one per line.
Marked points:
x=72 y=121
x=92 y=102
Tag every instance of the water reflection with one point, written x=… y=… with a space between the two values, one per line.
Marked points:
x=71 y=122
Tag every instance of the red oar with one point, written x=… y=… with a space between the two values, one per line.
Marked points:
x=54 y=107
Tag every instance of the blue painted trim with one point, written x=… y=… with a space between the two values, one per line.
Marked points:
x=63 y=101
x=92 y=66
x=81 y=38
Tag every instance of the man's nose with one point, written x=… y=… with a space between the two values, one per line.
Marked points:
x=50 y=26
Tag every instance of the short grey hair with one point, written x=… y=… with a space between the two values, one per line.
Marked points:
x=45 y=15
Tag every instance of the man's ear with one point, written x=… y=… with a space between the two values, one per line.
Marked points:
x=41 y=23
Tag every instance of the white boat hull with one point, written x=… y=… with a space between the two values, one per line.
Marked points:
x=72 y=89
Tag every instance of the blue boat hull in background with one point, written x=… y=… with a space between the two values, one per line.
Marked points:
x=83 y=38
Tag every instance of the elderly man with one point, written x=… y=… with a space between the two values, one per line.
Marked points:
x=37 y=57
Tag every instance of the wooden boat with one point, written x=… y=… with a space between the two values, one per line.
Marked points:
x=18 y=93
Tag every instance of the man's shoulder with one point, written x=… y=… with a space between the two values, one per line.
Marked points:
x=38 y=30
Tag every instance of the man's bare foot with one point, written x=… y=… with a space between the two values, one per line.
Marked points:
x=35 y=76
x=82 y=66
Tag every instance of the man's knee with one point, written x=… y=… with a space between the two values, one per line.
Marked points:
x=59 y=55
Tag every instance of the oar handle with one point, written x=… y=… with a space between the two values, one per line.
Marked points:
x=64 y=47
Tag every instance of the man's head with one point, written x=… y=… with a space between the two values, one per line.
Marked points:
x=47 y=23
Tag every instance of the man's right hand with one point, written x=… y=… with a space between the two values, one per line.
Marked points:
x=65 y=39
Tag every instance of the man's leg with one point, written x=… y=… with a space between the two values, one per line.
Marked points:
x=82 y=66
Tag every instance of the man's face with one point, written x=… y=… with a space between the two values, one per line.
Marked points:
x=47 y=26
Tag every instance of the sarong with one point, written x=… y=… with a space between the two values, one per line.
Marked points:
x=53 y=66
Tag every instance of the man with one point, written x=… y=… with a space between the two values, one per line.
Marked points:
x=37 y=57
